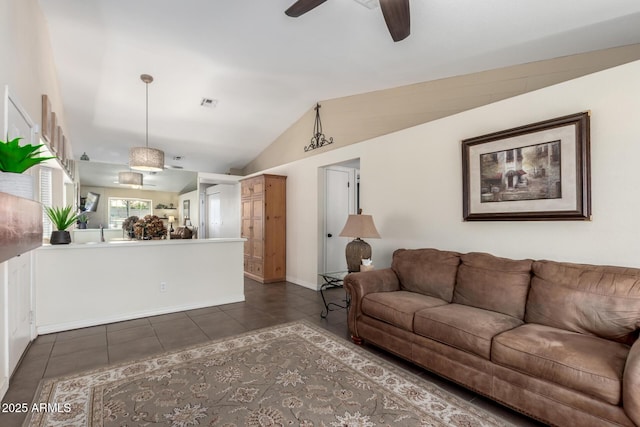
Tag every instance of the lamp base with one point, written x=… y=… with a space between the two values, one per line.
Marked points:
x=356 y=251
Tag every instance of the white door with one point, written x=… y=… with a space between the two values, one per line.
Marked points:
x=18 y=272
x=19 y=307
x=214 y=215
x=339 y=203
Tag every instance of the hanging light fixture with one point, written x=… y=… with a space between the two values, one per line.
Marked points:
x=130 y=178
x=145 y=158
x=318 y=139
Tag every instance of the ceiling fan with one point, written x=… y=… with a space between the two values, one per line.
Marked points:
x=395 y=12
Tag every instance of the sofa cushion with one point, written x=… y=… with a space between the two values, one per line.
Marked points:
x=397 y=308
x=493 y=283
x=599 y=300
x=427 y=271
x=464 y=327
x=584 y=363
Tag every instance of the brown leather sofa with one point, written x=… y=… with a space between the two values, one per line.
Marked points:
x=182 y=233
x=556 y=341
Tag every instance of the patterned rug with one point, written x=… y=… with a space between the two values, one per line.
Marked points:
x=294 y=374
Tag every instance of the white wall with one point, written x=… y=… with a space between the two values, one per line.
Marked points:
x=114 y=282
x=29 y=71
x=4 y=333
x=229 y=208
x=411 y=182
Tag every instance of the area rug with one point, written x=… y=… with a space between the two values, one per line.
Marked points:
x=295 y=374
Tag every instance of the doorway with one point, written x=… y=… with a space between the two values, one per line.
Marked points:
x=341 y=198
x=214 y=215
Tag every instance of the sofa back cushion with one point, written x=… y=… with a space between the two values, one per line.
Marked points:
x=493 y=283
x=427 y=271
x=600 y=300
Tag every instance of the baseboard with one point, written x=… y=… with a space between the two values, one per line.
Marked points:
x=303 y=283
x=59 y=327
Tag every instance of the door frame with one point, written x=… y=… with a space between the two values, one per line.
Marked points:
x=353 y=168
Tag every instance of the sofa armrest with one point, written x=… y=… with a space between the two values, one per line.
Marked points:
x=631 y=384
x=360 y=284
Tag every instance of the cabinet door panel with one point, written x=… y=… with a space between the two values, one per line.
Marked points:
x=246 y=208
x=258 y=186
x=257 y=249
x=256 y=268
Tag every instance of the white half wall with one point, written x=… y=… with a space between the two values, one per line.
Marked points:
x=85 y=285
x=411 y=182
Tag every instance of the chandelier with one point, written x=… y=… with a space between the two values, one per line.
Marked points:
x=145 y=158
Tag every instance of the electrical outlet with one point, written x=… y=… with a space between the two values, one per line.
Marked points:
x=163 y=286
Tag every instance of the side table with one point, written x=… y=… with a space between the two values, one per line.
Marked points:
x=332 y=280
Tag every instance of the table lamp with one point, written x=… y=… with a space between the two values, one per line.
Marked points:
x=172 y=219
x=358 y=226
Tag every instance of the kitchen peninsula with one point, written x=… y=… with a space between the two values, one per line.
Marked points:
x=82 y=285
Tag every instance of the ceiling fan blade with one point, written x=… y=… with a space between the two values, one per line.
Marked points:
x=302 y=6
x=397 y=16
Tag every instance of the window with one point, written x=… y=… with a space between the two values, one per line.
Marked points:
x=46 y=198
x=121 y=209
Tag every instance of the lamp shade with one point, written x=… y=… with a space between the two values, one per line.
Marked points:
x=172 y=218
x=146 y=159
x=360 y=226
x=130 y=178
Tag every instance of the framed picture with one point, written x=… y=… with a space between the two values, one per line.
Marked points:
x=186 y=209
x=60 y=148
x=539 y=171
x=53 y=141
x=46 y=118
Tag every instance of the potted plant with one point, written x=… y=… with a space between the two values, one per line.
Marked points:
x=83 y=219
x=15 y=159
x=62 y=218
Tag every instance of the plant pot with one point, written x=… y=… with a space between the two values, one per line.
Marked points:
x=60 y=237
x=18 y=184
x=82 y=225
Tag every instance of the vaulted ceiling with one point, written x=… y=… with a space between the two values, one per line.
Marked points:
x=265 y=69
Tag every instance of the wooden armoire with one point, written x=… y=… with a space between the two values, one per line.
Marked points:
x=263 y=201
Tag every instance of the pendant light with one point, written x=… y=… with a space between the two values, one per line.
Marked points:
x=130 y=178
x=145 y=158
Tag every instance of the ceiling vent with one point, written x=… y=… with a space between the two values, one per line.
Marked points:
x=209 y=103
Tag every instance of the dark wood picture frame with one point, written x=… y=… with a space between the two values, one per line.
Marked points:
x=53 y=141
x=186 y=209
x=46 y=118
x=569 y=199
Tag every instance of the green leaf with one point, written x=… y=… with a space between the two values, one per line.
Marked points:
x=62 y=218
x=18 y=158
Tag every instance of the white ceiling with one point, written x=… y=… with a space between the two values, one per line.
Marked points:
x=267 y=69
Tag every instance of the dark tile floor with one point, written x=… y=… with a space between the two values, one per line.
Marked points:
x=74 y=351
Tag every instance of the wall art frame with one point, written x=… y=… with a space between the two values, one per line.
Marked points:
x=46 y=118
x=186 y=209
x=537 y=172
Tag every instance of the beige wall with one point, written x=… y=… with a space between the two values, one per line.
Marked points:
x=411 y=182
x=361 y=117
x=101 y=216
